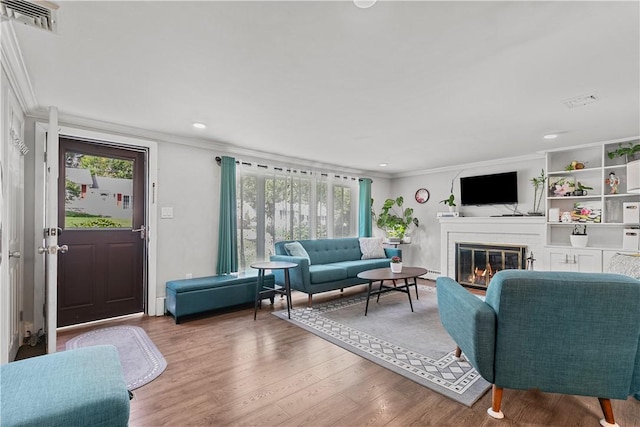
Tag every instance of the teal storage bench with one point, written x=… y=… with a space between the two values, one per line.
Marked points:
x=80 y=387
x=198 y=295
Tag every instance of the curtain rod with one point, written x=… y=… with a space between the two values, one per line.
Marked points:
x=219 y=161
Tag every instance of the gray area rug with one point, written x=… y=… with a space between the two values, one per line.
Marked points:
x=414 y=345
x=140 y=359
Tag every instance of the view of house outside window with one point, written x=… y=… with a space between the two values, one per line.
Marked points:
x=276 y=205
x=98 y=192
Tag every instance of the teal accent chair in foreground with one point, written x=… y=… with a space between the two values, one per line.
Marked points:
x=559 y=332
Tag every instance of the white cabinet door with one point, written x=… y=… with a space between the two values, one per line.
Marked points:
x=583 y=260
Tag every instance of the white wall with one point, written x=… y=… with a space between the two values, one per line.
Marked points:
x=424 y=249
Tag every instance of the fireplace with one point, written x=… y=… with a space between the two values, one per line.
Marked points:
x=476 y=263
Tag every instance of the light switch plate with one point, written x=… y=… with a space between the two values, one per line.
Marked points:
x=166 y=213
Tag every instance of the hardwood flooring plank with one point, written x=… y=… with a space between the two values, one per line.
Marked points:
x=224 y=369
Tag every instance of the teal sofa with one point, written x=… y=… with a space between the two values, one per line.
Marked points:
x=80 y=387
x=332 y=264
x=559 y=332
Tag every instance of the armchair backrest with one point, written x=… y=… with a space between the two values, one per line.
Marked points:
x=567 y=332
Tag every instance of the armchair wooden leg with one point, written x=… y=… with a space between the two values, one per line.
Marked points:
x=458 y=352
x=310 y=300
x=607 y=410
x=496 y=401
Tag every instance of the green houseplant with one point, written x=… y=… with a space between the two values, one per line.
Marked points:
x=538 y=185
x=629 y=151
x=450 y=201
x=394 y=220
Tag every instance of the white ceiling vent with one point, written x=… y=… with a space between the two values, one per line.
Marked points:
x=35 y=13
x=581 y=101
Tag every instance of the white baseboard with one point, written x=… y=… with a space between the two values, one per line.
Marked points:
x=159 y=306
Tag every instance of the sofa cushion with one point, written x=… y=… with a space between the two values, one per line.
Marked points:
x=209 y=282
x=371 y=247
x=321 y=273
x=296 y=249
x=355 y=267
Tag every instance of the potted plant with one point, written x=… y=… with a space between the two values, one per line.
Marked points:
x=579 y=236
x=394 y=220
x=581 y=190
x=629 y=151
x=450 y=201
x=538 y=185
x=396 y=264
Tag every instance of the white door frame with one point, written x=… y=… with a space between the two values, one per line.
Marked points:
x=151 y=306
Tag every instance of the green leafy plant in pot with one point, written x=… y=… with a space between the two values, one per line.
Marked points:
x=394 y=220
x=538 y=185
x=629 y=151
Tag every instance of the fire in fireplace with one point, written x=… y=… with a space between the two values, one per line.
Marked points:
x=476 y=263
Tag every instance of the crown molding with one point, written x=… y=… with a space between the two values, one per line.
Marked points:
x=40 y=114
x=14 y=67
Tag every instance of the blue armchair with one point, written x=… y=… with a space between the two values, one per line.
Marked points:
x=560 y=332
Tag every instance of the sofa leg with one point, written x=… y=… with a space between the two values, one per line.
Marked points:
x=309 y=300
x=496 y=401
x=607 y=410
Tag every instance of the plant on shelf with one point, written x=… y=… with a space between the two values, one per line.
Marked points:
x=450 y=201
x=538 y=185
x=393 y=222
x=629 y=151
x=581 y=190
x=579 y=230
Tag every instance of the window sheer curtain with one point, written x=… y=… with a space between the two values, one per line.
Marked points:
x=227 y=228
x=364 y=208
x=276 y=203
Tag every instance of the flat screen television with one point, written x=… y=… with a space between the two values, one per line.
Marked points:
x=494 y=189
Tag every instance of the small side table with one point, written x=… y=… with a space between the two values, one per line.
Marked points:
x=264 y=291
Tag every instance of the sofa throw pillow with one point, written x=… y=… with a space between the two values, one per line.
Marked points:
x=371 y=248
x=296 y=249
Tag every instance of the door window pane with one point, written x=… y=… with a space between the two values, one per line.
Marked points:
x=98 y=192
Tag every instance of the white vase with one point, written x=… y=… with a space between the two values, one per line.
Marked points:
x=396 y=267
x=578 y=240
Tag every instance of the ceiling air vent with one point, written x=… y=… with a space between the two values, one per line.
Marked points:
x=36 y=13
x=581 y=101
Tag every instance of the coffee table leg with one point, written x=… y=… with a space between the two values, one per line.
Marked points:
x=415 y=283
x=259 y=283
x=366 y=308
x=379 y=291
x=287 y=288
x=406 y=282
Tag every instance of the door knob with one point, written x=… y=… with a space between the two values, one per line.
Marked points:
x=14 y=254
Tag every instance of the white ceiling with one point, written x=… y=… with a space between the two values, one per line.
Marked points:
x=416 y=84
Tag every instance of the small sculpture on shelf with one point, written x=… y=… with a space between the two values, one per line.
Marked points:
x=613 y=181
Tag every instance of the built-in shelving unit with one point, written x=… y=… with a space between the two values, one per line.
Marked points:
x=600 y=209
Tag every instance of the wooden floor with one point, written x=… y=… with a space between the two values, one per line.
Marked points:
x=225 y=369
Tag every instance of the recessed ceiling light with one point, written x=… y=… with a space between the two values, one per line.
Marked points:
x=384 y=164
x=199 y=125
x=550 y=136
x=364 y=4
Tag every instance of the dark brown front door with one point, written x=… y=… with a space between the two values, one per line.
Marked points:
x=101 y=212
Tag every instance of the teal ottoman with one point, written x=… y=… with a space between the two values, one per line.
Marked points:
x=198 y=295
x=81 y=387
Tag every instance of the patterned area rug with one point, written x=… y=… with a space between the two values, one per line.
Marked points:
x=140 y=359
x=412 y=344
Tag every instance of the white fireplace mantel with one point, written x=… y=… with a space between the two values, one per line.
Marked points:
x=526 y=231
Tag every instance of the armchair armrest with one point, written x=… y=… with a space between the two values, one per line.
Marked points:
x=299 y=277
x=470 y=322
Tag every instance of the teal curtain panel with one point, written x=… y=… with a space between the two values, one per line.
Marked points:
x=227 y=241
